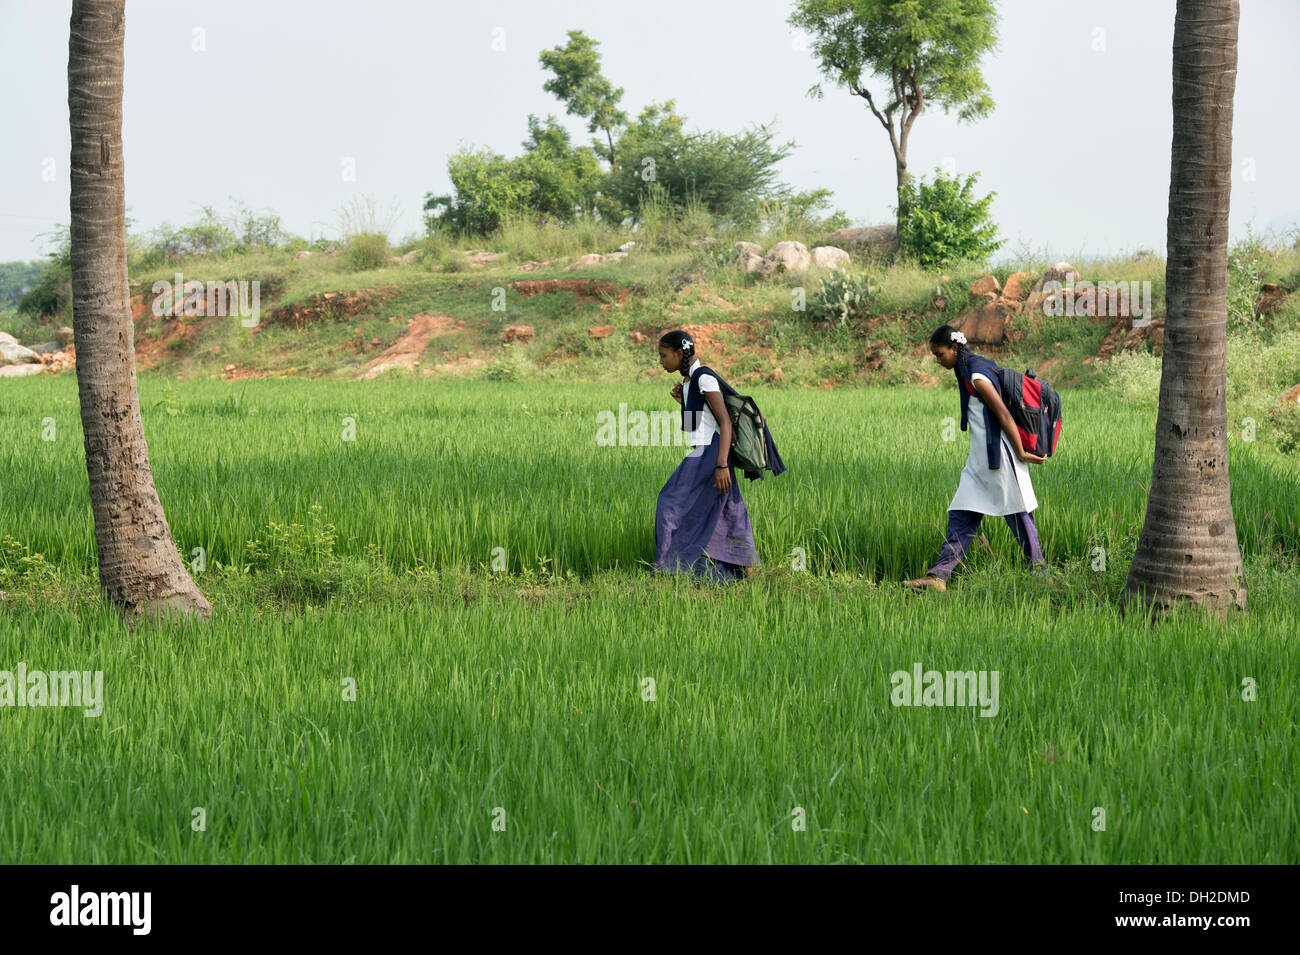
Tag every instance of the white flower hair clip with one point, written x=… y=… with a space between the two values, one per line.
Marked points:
x=958 y=337
x=687 y=343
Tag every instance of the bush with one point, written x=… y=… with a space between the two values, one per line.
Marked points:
x=942 y=222
x=367 y=250
x=842 y=297
x=1246 y=263
x=1134 y=378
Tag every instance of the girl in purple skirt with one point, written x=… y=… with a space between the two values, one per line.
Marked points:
x=995 y=480
x=701 y=523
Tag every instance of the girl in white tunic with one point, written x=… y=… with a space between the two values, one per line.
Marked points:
x=995 y=480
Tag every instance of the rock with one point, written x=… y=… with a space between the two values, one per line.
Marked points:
x=1062 y=272
x=601 y=331
x=20 y=371
x=878 y=239
x=939 y=304
x=228 y=369
x=64 y=336
x=1270 y=299
x=518 y=333
x=11 y=353
x=1015 y=287
x=591 y=258
x=748 y=248
x=627 y=247
x=6 y=337
x=749 y=262
x=785 y=257
x=45 y=348
x=830 y=257
x=304 y=254
x=777 y=375
x=1291 y=396
x=615 y=256
x=638 y=338
x=986 y=325
x=981 y=287
x=483 y=258
x=413 y=256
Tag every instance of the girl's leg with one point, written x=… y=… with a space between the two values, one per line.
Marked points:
x=962 y=526
x=1026 y=534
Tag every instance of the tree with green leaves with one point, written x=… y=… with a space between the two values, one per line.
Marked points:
x=725 y=174
x=926 y=53
x=946 y=222
x=578 y=83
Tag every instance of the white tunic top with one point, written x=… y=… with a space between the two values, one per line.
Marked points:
x=1006 y=490
x=707 y=423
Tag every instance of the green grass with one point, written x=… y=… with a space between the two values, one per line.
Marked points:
x=523 y=690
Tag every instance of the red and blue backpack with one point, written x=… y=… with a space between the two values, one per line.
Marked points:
x=1034 y=405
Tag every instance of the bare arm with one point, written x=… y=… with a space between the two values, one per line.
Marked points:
x=722 y=475
x=989 y=395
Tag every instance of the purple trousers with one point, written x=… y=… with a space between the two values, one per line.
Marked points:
x=962 y=526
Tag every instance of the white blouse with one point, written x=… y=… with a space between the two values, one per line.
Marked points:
x=707 y=424
x=997 y=493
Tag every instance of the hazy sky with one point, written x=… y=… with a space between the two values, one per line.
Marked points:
x=285 y=93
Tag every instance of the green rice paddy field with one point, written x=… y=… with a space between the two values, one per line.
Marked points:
x=470 y=564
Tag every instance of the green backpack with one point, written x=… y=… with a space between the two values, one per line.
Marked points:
x=752 y=448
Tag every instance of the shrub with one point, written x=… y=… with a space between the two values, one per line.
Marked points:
x=1246 y=264
x=1134 y=377
x=841 y=297
x=367 y=250
x=942 y=222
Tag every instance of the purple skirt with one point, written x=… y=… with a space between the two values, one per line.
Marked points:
x=698 y=530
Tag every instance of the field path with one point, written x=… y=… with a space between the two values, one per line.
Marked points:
x=406 y=351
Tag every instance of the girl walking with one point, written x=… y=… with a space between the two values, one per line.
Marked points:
x=995 y=480
x=701 y=522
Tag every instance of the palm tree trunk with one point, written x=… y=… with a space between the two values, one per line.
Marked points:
x=1188 y=551
x=139 y=567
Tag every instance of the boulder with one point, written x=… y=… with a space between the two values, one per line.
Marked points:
x=410 y=257
x=19 y=371
x=600 y=331
x=518 y=333
x=748 y=248
x=988 y=324
x=1270 y=298
x=304 y=254
x=6 y=337
x=483 y=258
x=830 y=257
x=615 y=256
x=627 y=247
x=45 y=348
x=1016 y=284
x=785 y=257
x=64 y=336
x=11 y=353
x=638 y=337
x=982 y=287
x=591 y=258
x=1062 y=272
x=877 y=239
x=749 y=262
